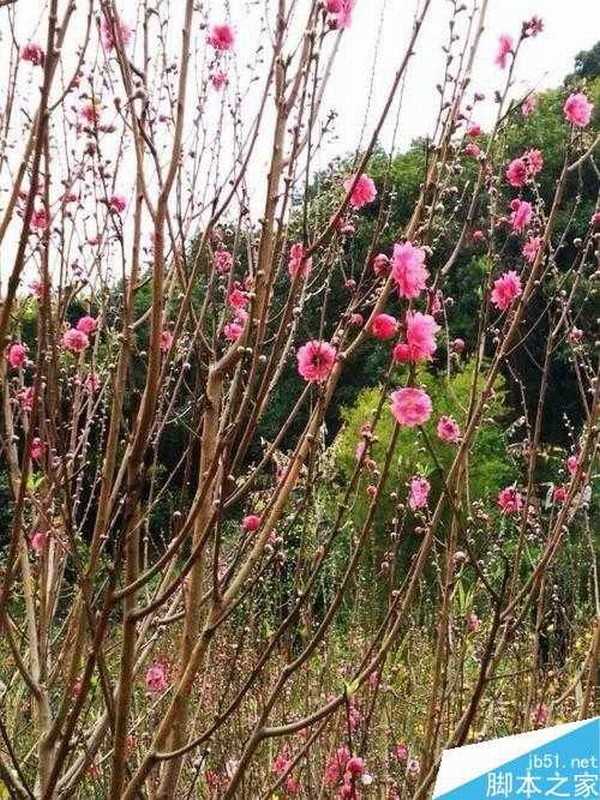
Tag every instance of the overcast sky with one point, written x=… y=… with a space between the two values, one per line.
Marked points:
x=369 y=55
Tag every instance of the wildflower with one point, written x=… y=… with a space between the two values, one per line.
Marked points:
x=448 y=430
x=506 y=289
x=411 y=406
x=221 y=37
x=166 y=341
x=575 y=335
x=418 y=493
x=578 y=109
x=400 y=752
x=534 y=161
x=510 y=500
x=413 y=767
x=384 y=326
x=363 y=192
x=17 y=355
x=505 y=48
x=458 y=346
x=75 y=340
x=408 y=270
x=316 y=360
x=474 y=130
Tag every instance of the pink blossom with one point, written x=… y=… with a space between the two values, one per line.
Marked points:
x=219 y=79
x=336 y=765
x=237 y=299
x=421 y=330
x=448 y=430
x=381 y=265
x=17 y=355
x=357 y=320
x=282 y=761
x=40 y=220
x=595 y=220
x=559 y=495
x=223 y=261
x=458 y=346
x=37 y=449
x=510 y=500
x=384 y=326
x=531 y=248
x=578 y=109
x=473 y=622
x=91 y=113
x=166 y=341
x=87 y=325
x=413 y=767
x=522 y=213
x=540 y=715
x=408 y=270
x=355 y=766
x=478 y=236
x=472 y=149
x=25 y=398
x=505 y=46
x=156 y=678
x=316 y=360
x=33 y=53
x=506 y=289
x=75 y=340
x=516 y=173
x=221 y=37
x=112 y=34
x=575 y=335
x=534 y=161
x=400 y=752
x=572 y=464
x=118 y=203
x=91 y=383
x=341 y=11
x=251 y=523
x=38 y=541
x=474 y=130
x=529 y=105
x=232 y=331
x=299 y=264
x=401 y=353
x=419 y=492
x=533 y=26
x=364 y=191
x=411 y=406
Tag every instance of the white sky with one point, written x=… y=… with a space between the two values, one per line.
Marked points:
x=369 y=55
